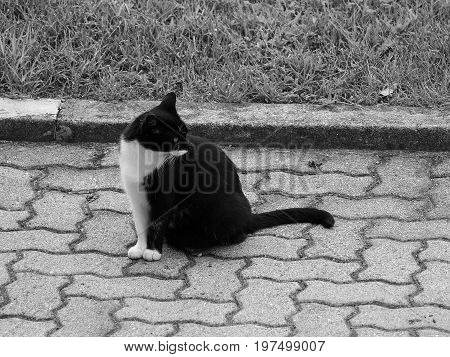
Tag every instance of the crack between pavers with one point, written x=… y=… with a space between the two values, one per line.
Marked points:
x=75 y=252
x=298 y=173
x=80 y=226
x=297 y=308
x=203 y=323
x=26 y=317
x=34 y=183
x=112 y=315
x=61 y=306
x=86 y=191
x=360 y=252
x=351 y=315
x=182 y=274
x=229 y=317
x=11 y=279
x=409 y=240
x=413 y=275
x=435 y=261
x=376 y=327
x=412 y=332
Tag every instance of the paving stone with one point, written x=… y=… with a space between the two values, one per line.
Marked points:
x=175 y=311
x=213 y=279
x=5 y=258
x=390 y=260
x=249 y=181
x=83 y=317
x=270 y=310
x=440 y=195
x=379 y=207
x=374 y=332
x=116 y=288
x=341 y=242
x=274 y=202
x=435 y=281
x=252 y=197
x=36 y=239
x=111 y=200
x=140 y=329
x=321 y=320
x=71 y=264
x=57 y=210
x=40 y=154
x=170 y=265
x=108 y=232
x=405 y=231
x=300 y=270
x=354 y=162
x=402 y=318
x=262 y=245
x=111 y=157
x=432 y=333
x=316 y=184
x=442 y=169
x=436 y=250
x=355 y=293
x=15 y=188
x=33 y=295
x=244 y=330
x=79 y=180
x=10 y=219
x=404 y=176
x=270 y=159
x=16 y=327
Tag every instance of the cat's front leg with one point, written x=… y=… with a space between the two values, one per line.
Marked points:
x=155 y=238
x=141 y=216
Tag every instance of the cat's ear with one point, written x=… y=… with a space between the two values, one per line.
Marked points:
x=168 y=103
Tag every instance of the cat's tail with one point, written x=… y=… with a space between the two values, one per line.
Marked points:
x=288 y=216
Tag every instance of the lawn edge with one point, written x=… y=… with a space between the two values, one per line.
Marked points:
x=283 y=125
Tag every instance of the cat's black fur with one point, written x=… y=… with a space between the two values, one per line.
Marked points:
x=196 y=199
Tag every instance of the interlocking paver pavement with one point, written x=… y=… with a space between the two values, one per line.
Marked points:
x=434 y=281
x=322 y=320
x=390 y=261
x=65 y=226
x=18 y=327
x=404 y=176
x=270 y=310
x=86 y=317
x=33 y=295
x=242 y=330
x=213 y=279
x=374 y=332
x=10 y=219
x=440 y=195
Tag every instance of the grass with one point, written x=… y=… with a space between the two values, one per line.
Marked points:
x=271 y=51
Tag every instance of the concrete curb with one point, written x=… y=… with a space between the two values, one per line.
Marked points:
x=285 y=125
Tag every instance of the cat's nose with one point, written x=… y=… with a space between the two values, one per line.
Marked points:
x=175 y=140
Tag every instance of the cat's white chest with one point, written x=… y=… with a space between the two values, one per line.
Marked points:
x=136 y=162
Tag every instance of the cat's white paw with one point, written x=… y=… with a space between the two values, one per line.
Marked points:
x=151 y=255
x=136 y=252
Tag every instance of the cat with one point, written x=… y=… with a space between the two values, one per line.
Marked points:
x=184 y=190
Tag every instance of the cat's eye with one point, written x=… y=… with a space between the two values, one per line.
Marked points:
x=182 y=130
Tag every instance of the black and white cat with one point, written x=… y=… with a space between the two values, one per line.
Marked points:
x=184 y=190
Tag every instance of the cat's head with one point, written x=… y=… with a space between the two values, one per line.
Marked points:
x=159 y=129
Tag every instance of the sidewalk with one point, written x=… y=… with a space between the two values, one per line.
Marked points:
x=65 y=226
